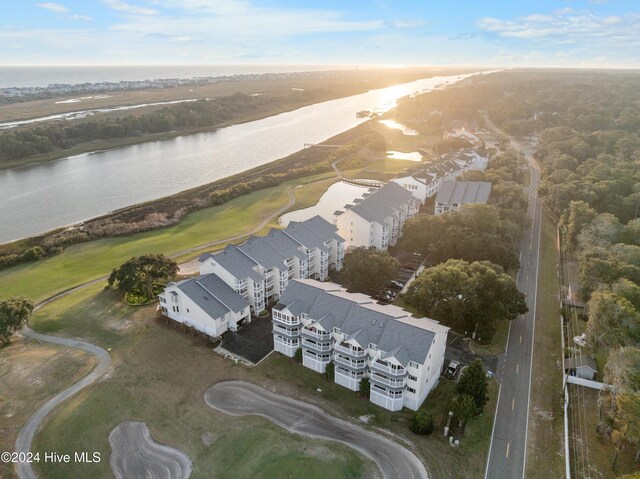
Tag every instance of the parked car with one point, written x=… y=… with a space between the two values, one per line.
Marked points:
x=451 y=370
x=388 y=292
x=395 y=284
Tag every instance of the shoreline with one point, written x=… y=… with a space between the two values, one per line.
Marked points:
x=345 y=90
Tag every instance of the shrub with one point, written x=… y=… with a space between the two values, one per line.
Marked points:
x=329 y=371
x=421 y=423
x=365 y=387
x=298 y=355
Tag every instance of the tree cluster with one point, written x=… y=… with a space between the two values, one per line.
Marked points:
x=475 y=233
x=14 y=314
x=142 y=278
x=468 y=297
x=367 y=269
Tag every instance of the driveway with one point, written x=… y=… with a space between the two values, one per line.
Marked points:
x=239 y=398
x=253 y=341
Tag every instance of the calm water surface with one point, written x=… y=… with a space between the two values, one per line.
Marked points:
x=43 y=197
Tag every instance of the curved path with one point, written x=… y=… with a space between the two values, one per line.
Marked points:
x=136 y=454
x=25 y=437
x=239 y=398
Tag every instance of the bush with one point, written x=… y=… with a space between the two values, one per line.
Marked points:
x=298 y=355
x=329 y=371
x=421 y=423
x=365 y=387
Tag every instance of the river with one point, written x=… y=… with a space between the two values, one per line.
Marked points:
x=39 y=198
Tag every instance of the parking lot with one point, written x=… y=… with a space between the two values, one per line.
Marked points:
x=252 y=342
x=458 y=350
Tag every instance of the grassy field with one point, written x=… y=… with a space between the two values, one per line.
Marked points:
x=160 y=376
x=83 y=262
x=31 y=373
x=545 y=446
x=87 y=261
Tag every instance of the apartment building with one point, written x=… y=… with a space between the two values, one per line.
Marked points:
x=425 y=182
x=260 y=269
x=205 y=303
x=401 y=355
x=377 y=218
x=452 y=195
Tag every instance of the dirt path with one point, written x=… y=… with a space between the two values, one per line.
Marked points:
x=25 y=437
x=239 y=398
x=136 y=454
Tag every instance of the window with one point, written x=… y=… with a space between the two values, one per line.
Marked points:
x=411 y=390
x=412 y=378
x=187 y=310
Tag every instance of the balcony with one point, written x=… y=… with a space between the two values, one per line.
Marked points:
x=292 y=333
x=394 y=383
x=339 y=348
x=288 y=321
x=316 y=334
x=350 y=374
x=377 y=365
x=350 y=363
x=390 y=394
x=324 y=348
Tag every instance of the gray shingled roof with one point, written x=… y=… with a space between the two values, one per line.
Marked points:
x=382 y=203
x=212 y=295
x=285 y=244
x=237 y=263
x=349 y=314
x=262 y=253
x=323 y=228
x=463 y=192
x=305 y=236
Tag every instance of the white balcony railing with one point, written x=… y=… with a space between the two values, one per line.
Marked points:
x=339 y=348
x=317 y=334
x=286 y=332
x=292 y=321
x=350 y=363
x=396 y=383
x=389 y=394
x=388 y=369
x=317 y=346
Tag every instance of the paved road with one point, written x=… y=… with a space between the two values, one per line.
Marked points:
x=507 y=454
x=25 y=437
x=239 y=398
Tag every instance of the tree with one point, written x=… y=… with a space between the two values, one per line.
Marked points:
x=473 y=382
x=467 y=296
x=464 y=408
x=475 y=233
x=578 y=215
x=365 y=387
x=613 y=321
x=603 y=231
x=298 y=355
x=329 y=371
x=421 y=423
x=142 y=278
x=369 y=268
x=14 y=313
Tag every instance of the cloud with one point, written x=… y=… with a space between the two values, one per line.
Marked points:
x=125 y=7
x=54 y=7
x=81 y=18
x=566 y=26
x=406 y=23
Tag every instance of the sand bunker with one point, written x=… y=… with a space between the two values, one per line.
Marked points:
x=135 y=454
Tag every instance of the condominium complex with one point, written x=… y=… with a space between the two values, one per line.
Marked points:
x=401 y=355
x=242 y=280
x=425 y=182
x=452 y=195
x=377 y=218
x=261 y=268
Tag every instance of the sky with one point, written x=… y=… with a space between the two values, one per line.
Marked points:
x=589 y=33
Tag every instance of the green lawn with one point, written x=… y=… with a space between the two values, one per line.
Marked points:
x=161 y=374
x=159 y=377
x=84 y=262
